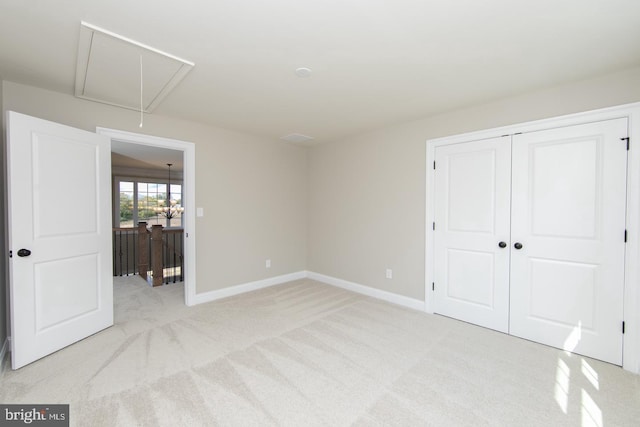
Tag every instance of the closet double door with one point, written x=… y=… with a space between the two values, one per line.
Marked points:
x=529 y=235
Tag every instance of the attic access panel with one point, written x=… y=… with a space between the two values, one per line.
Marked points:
x=109 y=70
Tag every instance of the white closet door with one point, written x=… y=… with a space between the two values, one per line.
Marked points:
x=568 y=204
x=472 y=182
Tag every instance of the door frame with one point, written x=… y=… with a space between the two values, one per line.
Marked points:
x=189 y=192
x=631 y=338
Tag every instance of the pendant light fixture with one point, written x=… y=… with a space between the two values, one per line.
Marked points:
x=171 y=209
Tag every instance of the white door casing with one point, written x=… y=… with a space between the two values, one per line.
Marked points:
x=188 y=198
x=59 y=194
x=471 y=232
x=568 y=205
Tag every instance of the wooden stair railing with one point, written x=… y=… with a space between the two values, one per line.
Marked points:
x=154 y=252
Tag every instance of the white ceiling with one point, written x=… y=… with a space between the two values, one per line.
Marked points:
x=138 y=156
x=374 y=62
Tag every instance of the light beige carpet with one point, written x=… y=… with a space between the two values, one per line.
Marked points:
x=306 y=354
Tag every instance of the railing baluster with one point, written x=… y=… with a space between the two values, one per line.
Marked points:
x=113 y=245
x=173 y=264
x=149 y=252
x=160 y=253
x=135 y=260
x=120 y=250
x=126 y=233
x=165 y=255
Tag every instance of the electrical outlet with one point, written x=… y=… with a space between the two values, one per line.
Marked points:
x=389 y=273
x=267 y=263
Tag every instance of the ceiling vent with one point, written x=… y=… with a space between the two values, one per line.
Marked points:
x=111 y=69
x=297 y=138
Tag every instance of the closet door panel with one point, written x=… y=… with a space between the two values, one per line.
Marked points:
x=472 y=182
x=568 y=213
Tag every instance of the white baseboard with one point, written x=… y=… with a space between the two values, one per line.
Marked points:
x=368 y=291
x=333 y=281
x=246 y=287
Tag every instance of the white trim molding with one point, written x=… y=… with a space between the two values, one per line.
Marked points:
x=631 y=338
x=407 y=302
x=401 y=300
x=189 y=195
x=246 y=287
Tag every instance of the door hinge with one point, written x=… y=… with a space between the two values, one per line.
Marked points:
x=434 y=226
x=626 y=139
x=434 y=165
x=623 y=326
x=625 y=236
x=433 y=286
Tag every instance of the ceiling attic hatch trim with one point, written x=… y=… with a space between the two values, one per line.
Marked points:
x=109 y=70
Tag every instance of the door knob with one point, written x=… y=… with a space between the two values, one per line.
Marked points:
x=518 y=245
x=502 y=245
x=24 y=252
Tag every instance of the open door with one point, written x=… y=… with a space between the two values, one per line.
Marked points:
x=59 y=216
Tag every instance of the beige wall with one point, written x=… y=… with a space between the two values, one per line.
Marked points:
x=367 y=192
x=347 y=209
x=252 y=189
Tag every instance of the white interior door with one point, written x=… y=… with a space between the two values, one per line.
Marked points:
x=471 y=237
x=59 y=210
x=568 y=201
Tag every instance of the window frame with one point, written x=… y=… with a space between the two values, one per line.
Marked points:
x=117 y=179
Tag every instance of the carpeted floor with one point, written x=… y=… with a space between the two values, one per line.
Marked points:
x=306 y=354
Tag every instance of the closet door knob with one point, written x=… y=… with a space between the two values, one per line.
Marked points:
x=502 y=245
x=518 y=245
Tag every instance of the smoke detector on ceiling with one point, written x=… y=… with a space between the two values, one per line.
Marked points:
x=303 y=72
